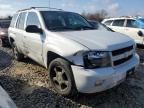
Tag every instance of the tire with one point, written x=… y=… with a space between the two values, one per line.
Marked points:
x=61 y=77
x=17 y=56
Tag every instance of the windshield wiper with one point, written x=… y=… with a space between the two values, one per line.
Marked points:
x=71 y=28
x=84 y=28
x=60 y=28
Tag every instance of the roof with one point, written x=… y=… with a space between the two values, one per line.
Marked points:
x=119 y=18
x=123 y=17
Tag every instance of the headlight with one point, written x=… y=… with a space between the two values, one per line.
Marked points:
x=97 y=59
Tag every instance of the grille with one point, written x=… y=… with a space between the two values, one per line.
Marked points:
x=121 y=51
x=118 y=62
x=122 y=55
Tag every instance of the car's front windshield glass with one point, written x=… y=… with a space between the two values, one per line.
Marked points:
x=140 y=23
x=64 y=21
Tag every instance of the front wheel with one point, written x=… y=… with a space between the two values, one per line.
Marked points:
x=61 y=77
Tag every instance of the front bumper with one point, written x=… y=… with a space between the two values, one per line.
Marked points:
x=97 y=80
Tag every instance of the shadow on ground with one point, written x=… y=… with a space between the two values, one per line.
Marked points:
x=5 y=60
x=26 y=96
x=129 y=94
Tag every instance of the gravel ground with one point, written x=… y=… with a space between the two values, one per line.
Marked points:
x=28 y=85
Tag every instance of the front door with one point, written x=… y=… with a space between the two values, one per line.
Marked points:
x=33 y=42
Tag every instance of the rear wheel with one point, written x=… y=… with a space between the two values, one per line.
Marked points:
x=18 y=56
x=61 y=77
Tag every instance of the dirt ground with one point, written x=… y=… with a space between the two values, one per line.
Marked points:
x=28 y=85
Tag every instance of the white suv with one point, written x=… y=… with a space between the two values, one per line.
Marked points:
x=77 y=56
x=133 y=27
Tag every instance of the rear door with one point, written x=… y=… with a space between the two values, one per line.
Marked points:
x=33 y=42
x=19 y=31
x=132 y=29
x=118 y=25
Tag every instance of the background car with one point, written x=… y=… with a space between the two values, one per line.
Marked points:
x=4 y=25
x=131 y=26
x=96 y=25
x=5 y=100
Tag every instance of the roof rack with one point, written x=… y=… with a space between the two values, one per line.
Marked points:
x=39 y=8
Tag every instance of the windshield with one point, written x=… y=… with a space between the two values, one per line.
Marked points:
x=139 y=23
x=62 y=21
x=4 y=24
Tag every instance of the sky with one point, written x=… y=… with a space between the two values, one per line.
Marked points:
x=113 y=7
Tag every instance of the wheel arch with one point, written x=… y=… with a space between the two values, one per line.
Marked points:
x=11 y=40
x=53 y=55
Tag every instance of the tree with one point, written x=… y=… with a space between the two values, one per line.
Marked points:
x=98 y=15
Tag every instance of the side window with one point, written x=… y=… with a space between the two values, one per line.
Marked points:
x=21 y=21
x=108 y=22
x=119 y=23
x=13 y=20
x=32 y=19
x=131 y=23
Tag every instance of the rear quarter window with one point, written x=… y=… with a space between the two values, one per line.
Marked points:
x=21 y=21
x=13 y=20
x=108 y=22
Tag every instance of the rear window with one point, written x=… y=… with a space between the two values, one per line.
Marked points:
x=21 y=20
x=108 y=22
x=4 y=24
x=119 y=23
x=13 y=20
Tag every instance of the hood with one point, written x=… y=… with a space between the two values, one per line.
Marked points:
x=98 y=39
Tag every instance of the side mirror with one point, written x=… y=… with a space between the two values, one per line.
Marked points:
x=33 y=29
x=140 y=33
